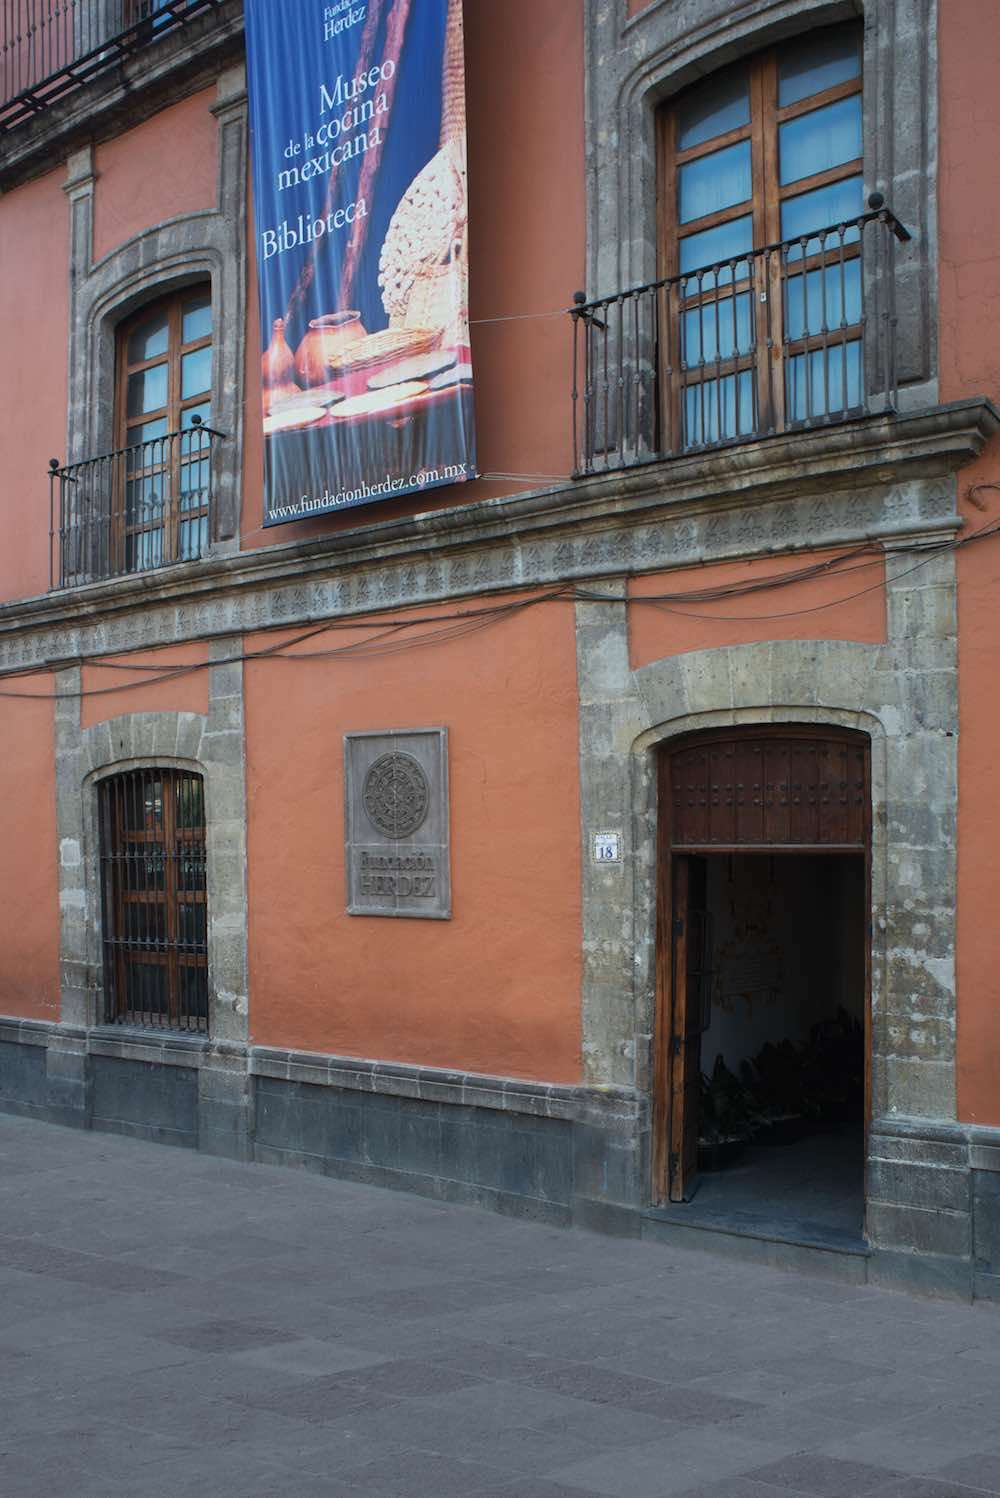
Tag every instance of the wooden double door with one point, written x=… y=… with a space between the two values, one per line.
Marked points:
x=768 y=791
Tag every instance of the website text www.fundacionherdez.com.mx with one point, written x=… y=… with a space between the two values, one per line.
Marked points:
x=449 y=473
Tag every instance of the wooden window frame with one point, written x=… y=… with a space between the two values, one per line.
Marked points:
x=764 y=206
x=168 y=462
x=160 y=942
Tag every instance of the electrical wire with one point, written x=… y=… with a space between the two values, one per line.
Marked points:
x=475 y=322
x=397 y=635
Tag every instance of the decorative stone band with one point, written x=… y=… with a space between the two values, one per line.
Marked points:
x=877 y=478
x=600 y=1106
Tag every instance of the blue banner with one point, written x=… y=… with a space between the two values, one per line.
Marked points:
x=357 y=116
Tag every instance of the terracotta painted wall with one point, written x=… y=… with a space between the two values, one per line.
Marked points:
x=524 y=80
x=164 y=167
x=805 y=610
x=29 y=886
x=33 y=315
x=497 y=987
x=969 y=229
x=131 y=684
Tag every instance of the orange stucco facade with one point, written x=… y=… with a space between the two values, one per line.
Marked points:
x=182 y=141
x=844 y=602
x=496 y=988
x=29 y=873
x=970 y=282
x=33 y=375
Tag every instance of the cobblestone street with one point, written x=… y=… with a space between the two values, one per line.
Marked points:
x=175 y=1324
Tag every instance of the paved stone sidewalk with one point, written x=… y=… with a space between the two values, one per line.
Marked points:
x=172 y=1324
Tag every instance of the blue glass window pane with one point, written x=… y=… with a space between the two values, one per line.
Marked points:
x=147 y=390
x=820 y=208
x=721 y=103
x=818 y=386
x=717 y=329
x=149 y=340
x=721 y=243
x=149 y=431
x=719 y=410
x=817 y=62
x=714 y=182
x=197 y=317
x=823 y=138
x=196 y=372
x=804 y=299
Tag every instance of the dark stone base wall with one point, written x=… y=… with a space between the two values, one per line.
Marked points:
x=456 y=1152
x=554 y=1153
x=563 y=1155
x=23 y=1079
x=933 y=1206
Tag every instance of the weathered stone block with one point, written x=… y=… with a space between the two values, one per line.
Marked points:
x=921 y=1089
x=22 y=1074
x=162 y=1100
x=986 y=1217
x=932 y=1187
x=919 y=1230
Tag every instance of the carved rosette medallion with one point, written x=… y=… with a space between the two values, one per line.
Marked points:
x=396 y=795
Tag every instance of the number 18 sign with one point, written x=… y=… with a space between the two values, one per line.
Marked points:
x=607 y=847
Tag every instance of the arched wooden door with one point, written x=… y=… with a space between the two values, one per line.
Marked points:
x=771 y=790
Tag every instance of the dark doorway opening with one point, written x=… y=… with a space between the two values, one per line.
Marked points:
x=762 y=1044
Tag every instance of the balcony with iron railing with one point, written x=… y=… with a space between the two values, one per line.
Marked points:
x=50 y=48
x=787 y=337
x=135 y=510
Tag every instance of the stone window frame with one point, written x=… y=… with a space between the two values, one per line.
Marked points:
x=208 y=245
x=210 y=745
x=634 y=64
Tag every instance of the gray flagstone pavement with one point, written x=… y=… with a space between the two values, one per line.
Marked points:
x=173 y=1324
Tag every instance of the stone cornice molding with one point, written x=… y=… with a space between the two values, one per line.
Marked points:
x=874 y=479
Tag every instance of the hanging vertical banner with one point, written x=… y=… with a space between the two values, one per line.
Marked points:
x=357 y=116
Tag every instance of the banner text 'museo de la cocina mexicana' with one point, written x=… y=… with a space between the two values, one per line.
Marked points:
x=358 y=131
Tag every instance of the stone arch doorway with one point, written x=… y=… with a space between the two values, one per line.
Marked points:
x=764 y=963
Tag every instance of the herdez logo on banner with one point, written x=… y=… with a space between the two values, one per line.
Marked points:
x=359 y=160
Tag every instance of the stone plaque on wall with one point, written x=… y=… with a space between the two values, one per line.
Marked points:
x=396 y=823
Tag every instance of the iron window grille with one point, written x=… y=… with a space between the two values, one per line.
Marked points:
x=154 y=900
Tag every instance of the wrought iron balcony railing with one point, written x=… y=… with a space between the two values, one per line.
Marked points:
x=132 y=510
x=48 y=48
x=791 y=335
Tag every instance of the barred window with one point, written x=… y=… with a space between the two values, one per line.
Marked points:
x=154 y=899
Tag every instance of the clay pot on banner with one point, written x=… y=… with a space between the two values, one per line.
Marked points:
x=277 y=368
x=327 y=337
